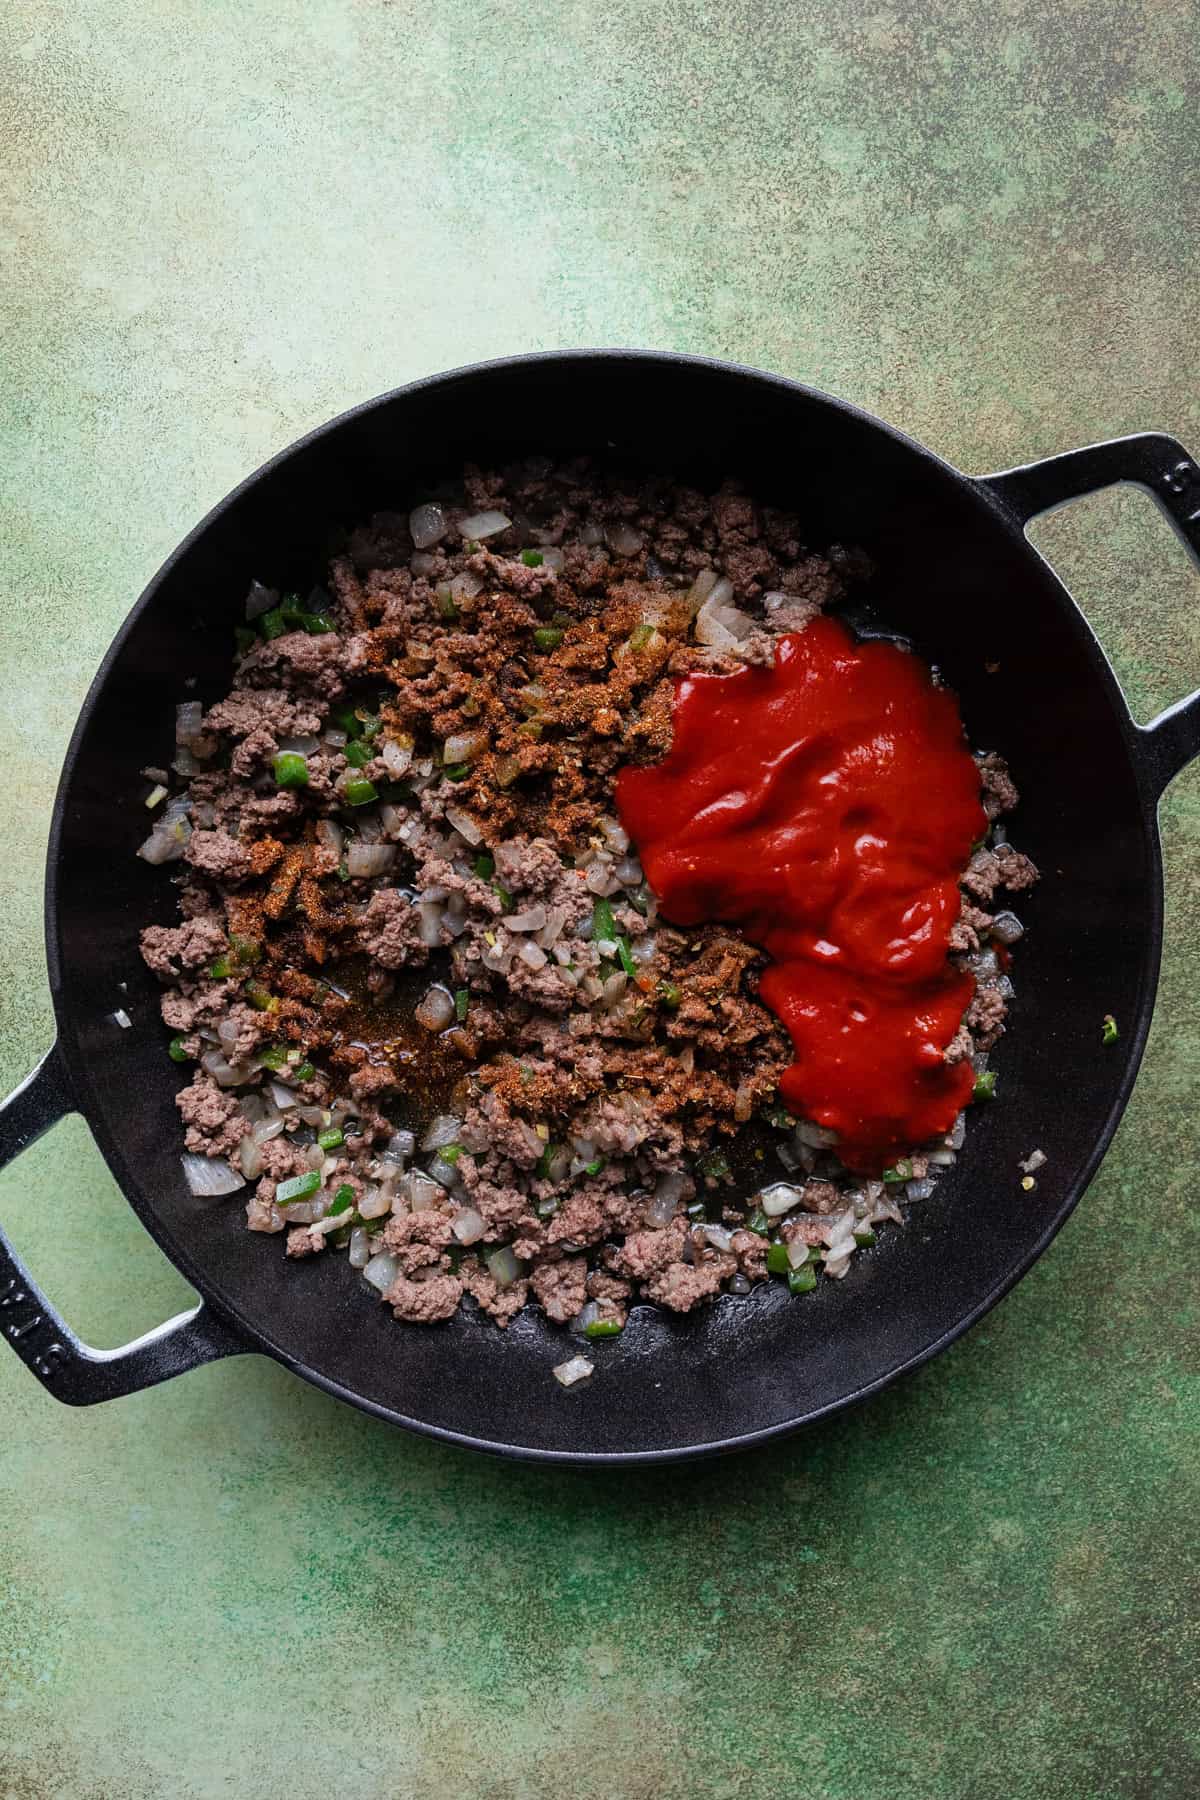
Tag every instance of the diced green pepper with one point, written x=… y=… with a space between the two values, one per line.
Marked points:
x=273 y=1058
x=462 y=1001
x=533 y=559
x=1108 y=1031
x=758 y=1222
x=604 y=925
x=603 y=1328
x=304 y=1071
x=329 y=1140
x=272 y=624
x=506 y=899
x=641 y=637
x=357 y=754
x=450 y=1153
x=670 y=993
x=291 y=769
x=299 y=1187
x=864 y=1236
x=715 y=1165
x=222 y=969
x=260 y=997
x=594 y=1167
x=176 y=1051
x=802 y=1280
x=901 y=1170
x=626 y=956
x=342 y=1201
x=985 y=1085
x=456 y=771
x=548 y=637
x=346 y=719
x=358 y=791
x=484 y=866
x=777 y=1260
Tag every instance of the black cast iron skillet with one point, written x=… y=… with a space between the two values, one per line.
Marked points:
x=956 y=571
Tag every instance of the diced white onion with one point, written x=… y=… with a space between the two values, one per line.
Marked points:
x=442 y=1130
x=360 y=1249
x=435 y=1009
x=422 y=1192
x=1033 y=1161
x=430 y=930
x=187 y=721
x=503 y=1266
x=718 y=1236
x=370 y=859
x=283 y=1096
x=467 y=1225
x=426 y=525
x=381 y=1271
x=613 y=988
x=482 y=525
x=719 y=623
x=701 y=588
x=165 y=843
x=533 y=955
x=615 y=836
x=397 y=758
x=223 y=1072
x=1007 y=928
x=464 y=824
x=210 y=1175
x=779 y=1198
x=250 y=1157
x=330 y=836
x=576 y=1368
x=920 y=1190
x=464 y=746
x=532 y=918
x=622 y=539
x=122 y=1018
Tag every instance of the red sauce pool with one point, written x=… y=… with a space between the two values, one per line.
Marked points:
x=827 y=805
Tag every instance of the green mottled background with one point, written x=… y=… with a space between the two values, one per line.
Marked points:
x=222 y=223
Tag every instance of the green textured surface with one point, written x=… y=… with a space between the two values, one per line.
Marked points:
x=219 y=225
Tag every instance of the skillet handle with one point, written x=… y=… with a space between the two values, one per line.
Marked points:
x=1160 y=465
x=71 y=1370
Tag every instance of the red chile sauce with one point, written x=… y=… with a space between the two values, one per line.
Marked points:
x=827 y=805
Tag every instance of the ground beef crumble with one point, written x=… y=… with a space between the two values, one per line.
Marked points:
x=408 y=907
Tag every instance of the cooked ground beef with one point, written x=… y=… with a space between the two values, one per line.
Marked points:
x=436 y=1015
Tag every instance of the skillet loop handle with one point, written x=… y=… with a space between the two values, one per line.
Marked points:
x=1160 y=465
x=70 y=1369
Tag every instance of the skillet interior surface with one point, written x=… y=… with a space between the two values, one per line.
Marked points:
x=1033 y=684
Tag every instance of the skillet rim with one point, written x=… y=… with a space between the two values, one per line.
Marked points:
x=255 y=1336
